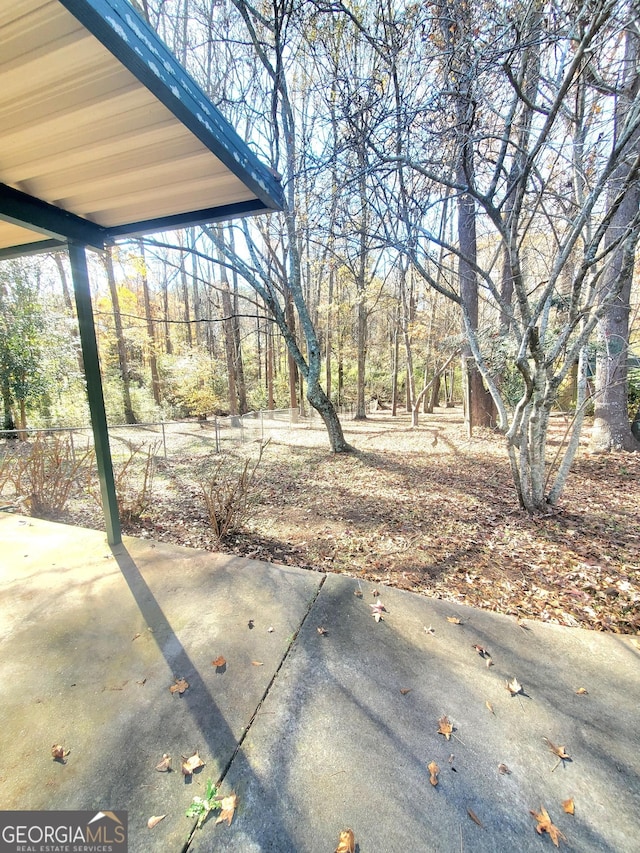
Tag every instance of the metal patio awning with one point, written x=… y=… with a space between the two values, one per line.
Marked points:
x=103 y=135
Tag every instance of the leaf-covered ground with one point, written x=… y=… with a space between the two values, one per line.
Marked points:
x=429 y=511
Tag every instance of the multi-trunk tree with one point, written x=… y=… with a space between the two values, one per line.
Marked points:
x=501 y=87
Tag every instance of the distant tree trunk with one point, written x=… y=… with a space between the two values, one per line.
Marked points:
x=611 y=426
x=434 y=396
x=227 y=322
x=237 y=348
x=329 y=332
x=394 y=369
x=407 y=305
x=361 y=284
x=129 y=416
x=8 y=422
x=439 y=371
x=456 y=28
x=195 y=301
x=66 y=294
x=185 y=300
x=269 y=370
x=168 y=343
x=291 y=362
x=151 y=335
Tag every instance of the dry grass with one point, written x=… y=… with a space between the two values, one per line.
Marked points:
x=436 y=517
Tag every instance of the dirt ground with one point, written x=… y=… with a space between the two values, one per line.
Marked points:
x=427 y=510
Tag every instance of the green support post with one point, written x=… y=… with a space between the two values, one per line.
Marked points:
x=89 y=344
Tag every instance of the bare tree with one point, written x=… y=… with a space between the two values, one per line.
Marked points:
x=612 y=428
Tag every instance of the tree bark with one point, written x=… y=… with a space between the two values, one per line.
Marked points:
x=151 y=335
x=129 y=415
x=612 y=427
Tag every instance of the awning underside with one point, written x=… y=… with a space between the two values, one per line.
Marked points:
x=123 y=140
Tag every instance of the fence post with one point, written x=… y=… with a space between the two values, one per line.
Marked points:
x=215 y=430
x=164 y=440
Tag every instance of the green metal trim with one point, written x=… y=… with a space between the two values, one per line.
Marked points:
x=36 y=248
x=80 y=276
x=54 y=222
x=119 y=27
x=186 y=220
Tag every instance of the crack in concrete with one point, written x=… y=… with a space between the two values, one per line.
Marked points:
x=268 y=688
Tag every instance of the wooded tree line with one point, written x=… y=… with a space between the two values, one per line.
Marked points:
x=462 y=188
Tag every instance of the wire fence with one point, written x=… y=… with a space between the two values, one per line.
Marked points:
x=187 y=437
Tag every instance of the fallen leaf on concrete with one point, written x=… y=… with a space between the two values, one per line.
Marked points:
x=377 y=610
x=227 y=809
x=59 y=753
x=433 y=769
x=568 y=806
x=375 y=593
x=481 y=651
x=250 y=624
x=322 y=631
x=429 y=630
x=504 y=769
x=445 y=727
x=257 y=663
x=135 y=636
x=489 y=661
x=474 y=817
x=454 y=620
x=219 y=662
x=194 y=762
x=179 y=687
x=545 y=825
x=490 y=707
x=165 y=764
x=270 y=629
x=155 y=820
x=357 y=593
x=405 y=690
x=514 y=687
x=557 y=750
x=346 y=842
x=582 y=691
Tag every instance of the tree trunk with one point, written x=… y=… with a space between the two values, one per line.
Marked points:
x=129 y=416
x=168 y=343
x=69 y=306
x=237 y=351
x=8 y=422
x=394 y=371
x=361 y=406
x=227 y=322
x=185 y=300
x=153 y=360
x=611 y=427
x=329 y=331
x=269 y=370
x=456 y=26
x=434 y=396
x=361 y=287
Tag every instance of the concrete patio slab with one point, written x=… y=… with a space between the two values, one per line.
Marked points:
x=314 y=731
x=91 y=641
x=338 y=744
